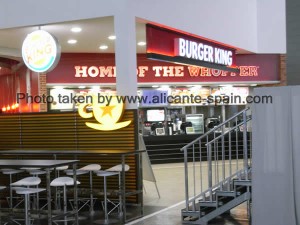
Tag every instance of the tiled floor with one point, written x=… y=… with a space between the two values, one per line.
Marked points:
x=165 y=210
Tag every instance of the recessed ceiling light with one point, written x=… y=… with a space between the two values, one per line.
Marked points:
x=95 y=88
x=227 y=85
x=141 y=43
x=58 y=87
x=155 y=86
x=72 y=41
x=112 y=37
x=81 y=87
x=103 y=47
x=196 y=88
x=76 y=29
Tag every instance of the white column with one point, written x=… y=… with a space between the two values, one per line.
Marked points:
x=125 y=56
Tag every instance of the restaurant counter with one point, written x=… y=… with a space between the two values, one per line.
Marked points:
x=166 y=148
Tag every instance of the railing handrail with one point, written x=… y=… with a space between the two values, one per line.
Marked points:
x=231 y=129
x=213 y=178
x=213 y=129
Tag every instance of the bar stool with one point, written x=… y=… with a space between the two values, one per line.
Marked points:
x=57 y=193
x=18 y=186
x=61 y=168
x=105 y=174
x=10 y=172
x=84 y=170
x=64 y=182
x=26 y=192
x=118 y=169
x=36 y=172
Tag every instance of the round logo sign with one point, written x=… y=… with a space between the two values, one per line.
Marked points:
x=40 y=51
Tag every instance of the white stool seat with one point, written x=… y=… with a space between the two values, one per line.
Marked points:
x=78 y=172
x=27 y=191
x=37 y=172
x=91 y=167
x=11 y=171
x=102 y=173
x=84 y=170
x=63 y=181
x=60 y=168
x=27 y=181
x=118 y=168
x=2 y=187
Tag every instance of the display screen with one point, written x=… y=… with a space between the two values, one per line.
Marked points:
x=155 y=115
x=154 y=98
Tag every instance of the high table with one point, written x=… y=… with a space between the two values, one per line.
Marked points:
x=47 y=165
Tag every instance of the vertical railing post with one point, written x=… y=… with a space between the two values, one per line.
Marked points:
x=209 y=171
x=245 y=144
x=186 y=180
x=223 y=156
x=200 y=159
x=237 y=144
x=194 y=177
x=230 y=156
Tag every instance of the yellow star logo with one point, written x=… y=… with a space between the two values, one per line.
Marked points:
x=107 y=110
x=105 y=123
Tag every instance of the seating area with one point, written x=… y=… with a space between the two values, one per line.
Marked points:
x=40 y=193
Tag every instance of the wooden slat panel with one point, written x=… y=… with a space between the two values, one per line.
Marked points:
x=68 y=132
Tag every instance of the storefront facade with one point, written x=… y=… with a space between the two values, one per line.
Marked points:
x=251 y=41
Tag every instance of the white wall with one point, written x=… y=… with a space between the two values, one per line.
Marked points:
x=276 y=157
x=231 y=21
x=271 y=26
x=245 y=24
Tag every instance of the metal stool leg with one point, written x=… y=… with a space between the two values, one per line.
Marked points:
x=106 y=219
x=105 y=201
x=120 y=196
x=91 y=193
x=65 y=204
x=27 y=221
x=10 y=193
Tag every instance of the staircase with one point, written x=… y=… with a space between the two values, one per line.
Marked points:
x=223 y=181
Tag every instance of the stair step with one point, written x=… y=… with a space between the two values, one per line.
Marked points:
x=189 y=217
x=247 y=183
x=206 y=217
x=227 y=193
x=213 y=204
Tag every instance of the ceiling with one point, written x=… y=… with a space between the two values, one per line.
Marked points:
x=94 y=33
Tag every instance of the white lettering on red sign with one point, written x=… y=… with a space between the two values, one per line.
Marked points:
x=202 y=52
x=93 y=71
x=245 y=71
x=163 y=71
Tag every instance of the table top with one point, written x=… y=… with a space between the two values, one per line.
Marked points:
x=17 y=163
x=61 y=152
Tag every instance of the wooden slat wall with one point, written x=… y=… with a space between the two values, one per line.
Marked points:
x=67 y=132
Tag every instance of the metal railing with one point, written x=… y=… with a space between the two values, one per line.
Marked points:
x=215 y=158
